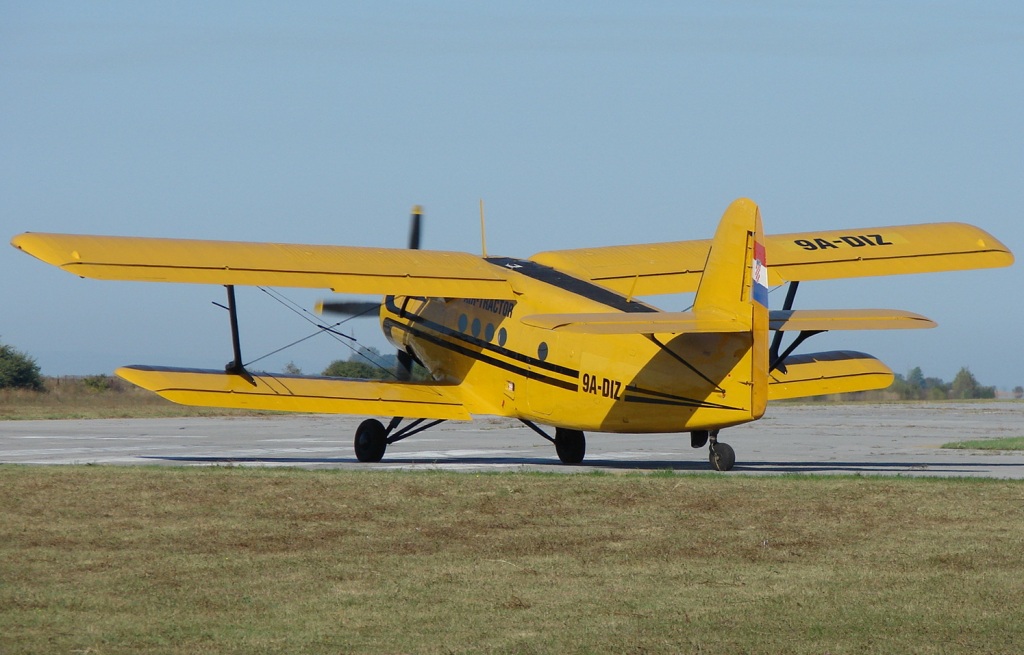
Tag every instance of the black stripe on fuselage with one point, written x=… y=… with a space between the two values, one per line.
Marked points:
x=661 y=398
x=476 y=342
x=573 y=285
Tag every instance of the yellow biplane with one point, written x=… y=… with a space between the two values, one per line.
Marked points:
x=559 y=339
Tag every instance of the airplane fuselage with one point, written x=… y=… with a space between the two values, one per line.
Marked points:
x=606 y=383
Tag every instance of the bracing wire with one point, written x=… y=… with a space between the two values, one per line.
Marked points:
x=312 y=319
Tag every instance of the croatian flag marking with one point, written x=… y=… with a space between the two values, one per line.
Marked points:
x=760 y=274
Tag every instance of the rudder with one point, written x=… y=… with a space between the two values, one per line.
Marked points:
x=735 y=281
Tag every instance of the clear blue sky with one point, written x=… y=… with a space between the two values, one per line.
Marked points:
x=578 y=123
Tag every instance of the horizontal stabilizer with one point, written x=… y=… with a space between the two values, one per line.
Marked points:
x=817 y=374
x=846 y=319
x=708 y=320
x=293 y=393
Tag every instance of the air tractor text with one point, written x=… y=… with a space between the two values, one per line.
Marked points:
x=499 y=307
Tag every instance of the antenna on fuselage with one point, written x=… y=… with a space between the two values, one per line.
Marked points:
x=483 y=230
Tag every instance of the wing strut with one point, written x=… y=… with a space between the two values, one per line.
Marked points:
x=779 y=361
x=775 y=360
x=787 y=305
x=235 y=366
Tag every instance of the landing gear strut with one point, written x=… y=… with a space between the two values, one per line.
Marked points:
x=721 y=455
x=570 y=445
x=372 y=438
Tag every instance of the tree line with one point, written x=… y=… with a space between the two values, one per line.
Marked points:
x=915 y=386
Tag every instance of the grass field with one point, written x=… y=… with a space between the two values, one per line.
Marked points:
x=231 y=560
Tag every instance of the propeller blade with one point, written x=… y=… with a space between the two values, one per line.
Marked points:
x=414 y=228
x=348 y=307
x=403 y=367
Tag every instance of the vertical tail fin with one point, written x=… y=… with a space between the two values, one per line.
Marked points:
x=734 y=275
x=735 y=281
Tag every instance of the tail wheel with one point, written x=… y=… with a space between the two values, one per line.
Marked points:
x=571 y=445
x=371 y=441
x=722 y=456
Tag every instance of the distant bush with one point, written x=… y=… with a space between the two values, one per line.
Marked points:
x=356 y=370
x=98 y=382
x=369 y=364
x=18 y=370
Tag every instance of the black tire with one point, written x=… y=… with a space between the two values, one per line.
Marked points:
x=722 y=456
x=699 y=438
x=371 y=441
x=571 y=445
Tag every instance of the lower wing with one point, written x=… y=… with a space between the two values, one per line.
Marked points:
x=818 y=374
x=288 y=393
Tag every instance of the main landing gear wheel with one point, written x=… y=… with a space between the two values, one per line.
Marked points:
x=371 y=441
x=571 y=445
x=721 y=456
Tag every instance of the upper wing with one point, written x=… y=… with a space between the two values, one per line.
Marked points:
x=895 y=250
x=677 y=266
x=340 y=268
x=636 y=270
x=302 y=394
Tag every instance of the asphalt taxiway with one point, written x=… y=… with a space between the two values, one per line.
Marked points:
x=890 y=439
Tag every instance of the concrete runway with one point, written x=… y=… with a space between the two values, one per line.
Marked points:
x=852 y=439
